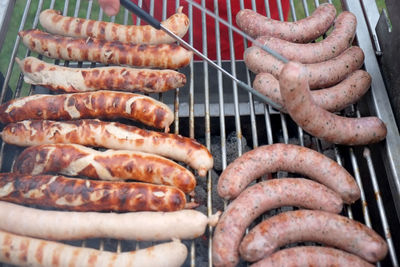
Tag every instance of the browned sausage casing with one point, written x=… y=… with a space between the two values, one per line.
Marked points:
x=166 y=56
x=89 y=195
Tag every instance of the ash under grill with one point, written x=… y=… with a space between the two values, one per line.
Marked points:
x=229 y=121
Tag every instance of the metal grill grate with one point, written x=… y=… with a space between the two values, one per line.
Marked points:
x=212 y=109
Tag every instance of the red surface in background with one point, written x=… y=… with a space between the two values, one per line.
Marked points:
x=210 y=22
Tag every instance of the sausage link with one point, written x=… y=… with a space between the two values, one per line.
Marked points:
x=53 y=22
x=291 y=158
x=166 y=56
x=315 y=226
x=88 y=195
x=301 y=31
x=110 y=135
x=113 y=165
x=262 y=197
x=339 y=40
x=98 y=104
x=319 y=122
x=74 y=80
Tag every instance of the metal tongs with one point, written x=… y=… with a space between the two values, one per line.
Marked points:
x=128 y=4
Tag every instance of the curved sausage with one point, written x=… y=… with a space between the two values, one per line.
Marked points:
x=166 y=56
x=319 y=122
x=53 y=22
x=89 y=195
x=315 y=226
x=74 y=80
x=27 y=251
x=282 y=157
x=312 y=256
x=335 y=98
x=339 y=40
x=301 y=31
x=110 y=135
x=262 y=197
x=320 y=75
x=113 y=165
x=99 y=104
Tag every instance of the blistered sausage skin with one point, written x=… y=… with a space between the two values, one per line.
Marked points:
x=315 y=226
x=283 y=157
x=338 y=41
x=262 y=197
x=98 y=104
x=320 y=75
x=319 y=122
x=301 y=31
x=53 y=22
x=88 y=195
x=334 y=98
x=113 y=165
x=165 y=56
x=110 y=135
x=26 y=251
x=74 y=80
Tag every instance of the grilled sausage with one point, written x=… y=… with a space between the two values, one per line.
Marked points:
x=312 y=256
x=301 y=31
x=291 y=158
x=53 y=22
x=27 y=251
x=73 y=80
x=339 y=40
x=110 y=135
x=319 y=122
x=316 y=226
x=320 y=75
x=259 y=198
x=167 y=56
x=88 y=195
x=335 y=98
x=99 y=104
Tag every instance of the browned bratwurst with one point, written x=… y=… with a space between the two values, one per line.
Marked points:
x=262 y=197
x=53 y=22
x=99 y=104
x=110 y=135
x=89 y=195
x=166 y=56
x=282 y=157
x=74 y=80
x=315 y=226
x=319 y=122
x=339 y=40
x=301 y=31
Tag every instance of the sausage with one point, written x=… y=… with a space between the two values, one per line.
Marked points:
x=74 y=80
x=320 y=75
x=53 y=22
x=339 y=40
x=110 y=135
x=141 y=226
x=88 y=195
x=165 y=56
x=113 y=165
x=262 y=197
x=319 y=122
x=335 y=98
x=301 y=31
x=312 y=256
x=27 y=251
x=98 y=104
x=292 y=158
x=315 y=226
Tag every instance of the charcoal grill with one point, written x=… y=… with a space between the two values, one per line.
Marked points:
x=229 y=121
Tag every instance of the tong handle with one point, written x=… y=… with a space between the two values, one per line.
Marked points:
x=128 y=4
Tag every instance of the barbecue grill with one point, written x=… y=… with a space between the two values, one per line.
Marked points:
x=230 y=121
